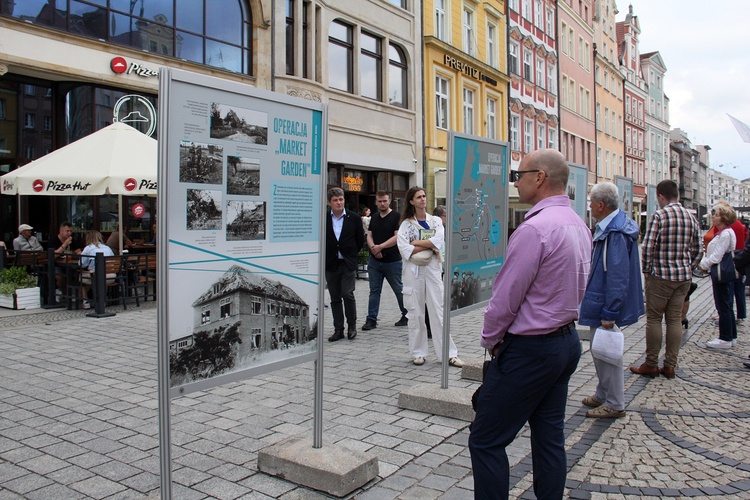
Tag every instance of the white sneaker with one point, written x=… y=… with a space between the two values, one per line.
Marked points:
x=419 y=361
x=734 y=342
x=719 y=344
x=85 y=304
x=455 y=361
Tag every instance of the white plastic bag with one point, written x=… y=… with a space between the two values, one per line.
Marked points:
x=608 y=345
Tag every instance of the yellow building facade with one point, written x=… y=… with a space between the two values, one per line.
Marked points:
x=465 y=80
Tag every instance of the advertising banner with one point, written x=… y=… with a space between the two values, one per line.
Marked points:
x=578 y=189
x=625 y=186
x=243 y=209
x=653 y=203
x=477 y=219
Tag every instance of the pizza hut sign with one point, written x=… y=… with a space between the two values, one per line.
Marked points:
x=40 y=186
x=138 y=210
x=131 y=184
x=119 y=66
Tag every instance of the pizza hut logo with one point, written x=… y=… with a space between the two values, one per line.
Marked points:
x=38 y=185
x=130 y=184
x=118 y=65
x=138 y=210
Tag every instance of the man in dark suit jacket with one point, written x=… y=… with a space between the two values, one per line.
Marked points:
x=344 y=239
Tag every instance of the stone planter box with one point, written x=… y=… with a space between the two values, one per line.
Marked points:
x=24 y=298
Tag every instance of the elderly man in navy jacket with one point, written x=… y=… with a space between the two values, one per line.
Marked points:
x=344 y=239
x=614 y=293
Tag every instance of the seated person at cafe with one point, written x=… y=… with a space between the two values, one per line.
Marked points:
x=26 y=240
x=113 y=241
x=64 y=245
x=94 y=245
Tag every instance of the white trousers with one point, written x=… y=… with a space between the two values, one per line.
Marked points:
x=424 y=285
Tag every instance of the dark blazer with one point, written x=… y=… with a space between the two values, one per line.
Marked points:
x=350 y=243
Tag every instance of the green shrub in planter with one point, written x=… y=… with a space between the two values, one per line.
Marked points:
x=14 y=278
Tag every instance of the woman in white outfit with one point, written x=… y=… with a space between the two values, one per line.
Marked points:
x=420 y=238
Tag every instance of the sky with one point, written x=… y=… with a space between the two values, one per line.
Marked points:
x=704 y=46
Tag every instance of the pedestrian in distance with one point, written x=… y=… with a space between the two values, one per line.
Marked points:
x=738 y=289
x=385 y=259
x=722 y=216
x=669 y=254
x=614 y=293
x=26 y=241
x=94 y=245
x=420 y=238
x=344 y=238
x=529 y=330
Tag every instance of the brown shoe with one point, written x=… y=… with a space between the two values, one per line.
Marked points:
x=605 y=412
x=667 y=371
x=647 y=370
x=591 y=402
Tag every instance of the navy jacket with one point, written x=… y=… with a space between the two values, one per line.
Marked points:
x=349 y=243
x=617 y=293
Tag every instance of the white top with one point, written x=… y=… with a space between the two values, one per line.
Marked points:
x=722 y=243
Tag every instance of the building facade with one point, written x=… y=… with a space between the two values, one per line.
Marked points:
x=533 y=66
x=657 y=119
x=70 y=68
x=576 y=84
x=465 y=80
x=608 y=91
x=687 y=161
x=636 y=94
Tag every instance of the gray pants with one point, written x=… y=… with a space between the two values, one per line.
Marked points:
x=611 y=387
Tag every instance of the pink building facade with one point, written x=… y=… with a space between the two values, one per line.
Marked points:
x=577 y=96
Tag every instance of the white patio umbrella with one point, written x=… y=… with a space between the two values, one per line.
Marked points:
x=117 y=159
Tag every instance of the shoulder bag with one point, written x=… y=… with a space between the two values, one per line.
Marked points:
x=723 y=272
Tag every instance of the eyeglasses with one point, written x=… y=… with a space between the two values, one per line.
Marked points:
x=515 y=175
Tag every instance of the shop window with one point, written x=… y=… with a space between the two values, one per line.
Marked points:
x=212 y=32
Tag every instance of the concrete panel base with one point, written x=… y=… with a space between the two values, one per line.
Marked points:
x=472 y=369
x=453 y=402
x=332 y=469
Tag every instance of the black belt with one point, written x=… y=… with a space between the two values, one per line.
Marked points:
x=563 y=330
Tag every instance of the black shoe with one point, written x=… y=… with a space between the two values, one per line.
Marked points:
x=337 y=335
x=402 y=322
x=369 y=325
x=351 y=333
x=747 y=365
x=685 y=323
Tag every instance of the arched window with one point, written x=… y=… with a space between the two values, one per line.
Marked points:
x=397 y=90
x=212 y=32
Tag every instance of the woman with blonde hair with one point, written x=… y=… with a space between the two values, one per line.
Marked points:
x=94 y=245
x=724 y=242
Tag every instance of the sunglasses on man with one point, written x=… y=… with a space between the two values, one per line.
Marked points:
x=515 y=175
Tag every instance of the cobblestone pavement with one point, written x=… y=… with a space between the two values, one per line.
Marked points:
x=78 y=417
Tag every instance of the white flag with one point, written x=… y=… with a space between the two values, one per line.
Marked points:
x=741 y=127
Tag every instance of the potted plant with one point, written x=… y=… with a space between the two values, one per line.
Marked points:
x=18 y=289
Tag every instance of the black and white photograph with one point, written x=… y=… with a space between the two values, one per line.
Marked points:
x=201 y=163
x=242 y=319
x=203 y=209
x=237 y=124
x=246 y=220
x=243 y=175
x=571 y=191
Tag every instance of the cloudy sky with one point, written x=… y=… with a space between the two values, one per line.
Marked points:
x=704 y=46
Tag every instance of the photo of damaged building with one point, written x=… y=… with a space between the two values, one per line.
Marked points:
x=271 y=315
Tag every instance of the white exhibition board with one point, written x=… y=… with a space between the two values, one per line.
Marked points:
x=242 y=213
